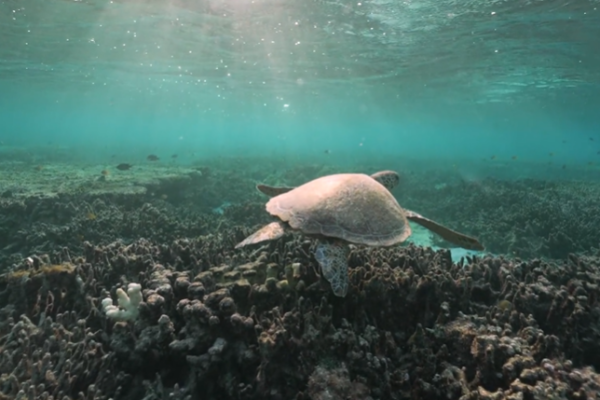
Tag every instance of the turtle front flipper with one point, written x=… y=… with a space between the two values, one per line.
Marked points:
x=462 y=240
x=272 y=231
x=389 y=179
x=333 y=259
x=272 y=191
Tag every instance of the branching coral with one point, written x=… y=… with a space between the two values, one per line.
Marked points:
x=129 y=302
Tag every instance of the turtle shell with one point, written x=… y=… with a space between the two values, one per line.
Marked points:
x=352 y=207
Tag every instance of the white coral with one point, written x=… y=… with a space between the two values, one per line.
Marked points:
x=128 y=303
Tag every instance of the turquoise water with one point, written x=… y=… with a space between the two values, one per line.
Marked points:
x=423 y=79
x=133 y=134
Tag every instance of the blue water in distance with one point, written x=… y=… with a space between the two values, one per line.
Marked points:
x=429 y=80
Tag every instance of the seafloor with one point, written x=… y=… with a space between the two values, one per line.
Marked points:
x=260 y=323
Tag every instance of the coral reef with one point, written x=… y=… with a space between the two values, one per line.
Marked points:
x=263 y=324
x=217 y=323
x=525 y=218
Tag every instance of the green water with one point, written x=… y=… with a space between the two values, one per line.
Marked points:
x=421 y=79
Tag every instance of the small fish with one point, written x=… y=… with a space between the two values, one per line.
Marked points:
x=174 y=156
x=591 y=163
x=39 y=167
x=105 y=172
x=327 y=151
x=513 y=158
x=152 y=157
x=591 y=139
x=91 y=216
x=124 y=166
x=564 y=141
x=551 y=154
x=493 y=157
x=564 y=166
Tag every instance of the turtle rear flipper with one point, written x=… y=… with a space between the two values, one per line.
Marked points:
x=460 y=239
x=272 y=191
x=333 y=259
x=272 y=231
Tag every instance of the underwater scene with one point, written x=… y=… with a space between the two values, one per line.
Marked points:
x=299 y=199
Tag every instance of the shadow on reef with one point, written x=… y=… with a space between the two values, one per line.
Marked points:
x=261 y=324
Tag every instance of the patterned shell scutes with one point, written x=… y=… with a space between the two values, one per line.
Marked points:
x=352 y=207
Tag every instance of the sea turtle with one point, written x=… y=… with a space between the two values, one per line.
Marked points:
x=345 y=208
